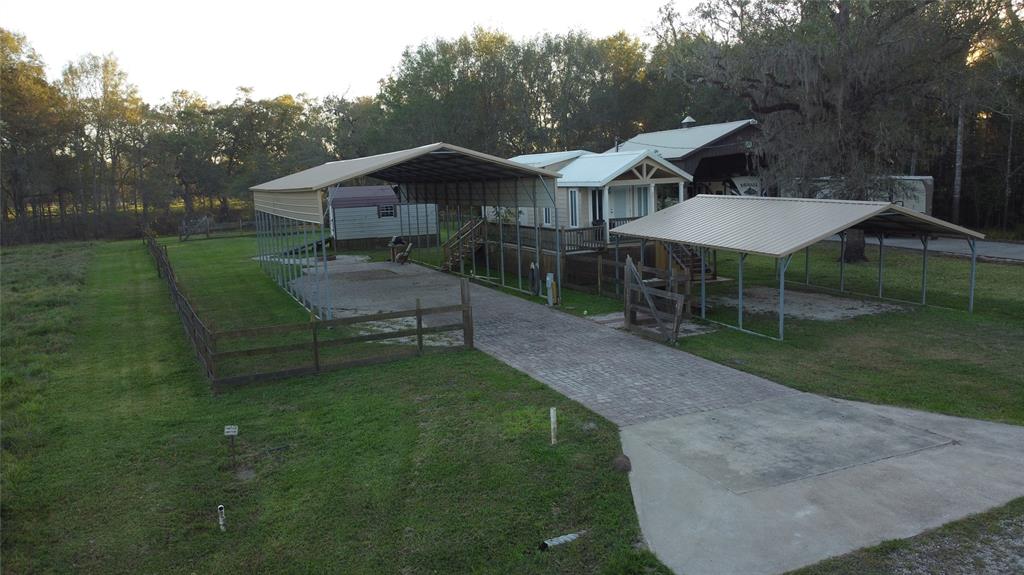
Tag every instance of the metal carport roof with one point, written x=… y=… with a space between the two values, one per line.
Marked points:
x=778 y=227
x=433 y=163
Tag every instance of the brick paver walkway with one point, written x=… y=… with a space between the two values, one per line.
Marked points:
x=625 y=378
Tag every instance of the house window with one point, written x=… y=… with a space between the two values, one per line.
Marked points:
x=386 y=211
x=547 y=216
x=574 y=208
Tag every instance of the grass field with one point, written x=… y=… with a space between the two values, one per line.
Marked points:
x=114 y=459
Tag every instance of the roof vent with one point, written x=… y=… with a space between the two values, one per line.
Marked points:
x=688 y=122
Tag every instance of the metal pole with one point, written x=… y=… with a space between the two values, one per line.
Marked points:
x=807 y=265
x=881 y=263
x=519 y=242
x=259 y=237
x=924 y=269
x=618 y=288
x=326 y=301
x=302 y=263
x=703 y=288
x=743 y=258
x=536 y=241
x=842 y=262
x=487 y=235
x=501 y=238
x=974 y=268
x=558 y=240
x=783 y=264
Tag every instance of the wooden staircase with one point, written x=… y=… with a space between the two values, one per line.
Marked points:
x=463 y=242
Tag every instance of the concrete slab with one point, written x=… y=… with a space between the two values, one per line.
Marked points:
x=768 y=443
x=696 y=524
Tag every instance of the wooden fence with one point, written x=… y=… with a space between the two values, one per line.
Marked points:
x=242 y=356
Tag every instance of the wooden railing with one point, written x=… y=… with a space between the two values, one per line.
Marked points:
x=583 y=239
x=252 y=354
x=616 y=222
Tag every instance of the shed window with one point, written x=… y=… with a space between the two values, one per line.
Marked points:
x=386 y=211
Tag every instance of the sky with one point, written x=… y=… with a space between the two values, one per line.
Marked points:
x=315 y=47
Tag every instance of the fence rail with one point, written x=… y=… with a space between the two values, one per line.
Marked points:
x=288 y=350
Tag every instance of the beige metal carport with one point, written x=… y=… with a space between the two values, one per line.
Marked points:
x=439 y=173
x=780 y=227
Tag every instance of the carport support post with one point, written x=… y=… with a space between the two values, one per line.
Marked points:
x=326 y=292
x=703 y=289
x=501 y=239
x=519 y=241
x=807 y=265
x=739 y=279
x=842 y=262
x=974 y=268
x=558 y=242
x=618 y=288
x=924 y=268
x=881 y=263
x=783 y=264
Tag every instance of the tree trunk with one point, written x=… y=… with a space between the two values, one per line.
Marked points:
x=855 y=246
x=959 y=164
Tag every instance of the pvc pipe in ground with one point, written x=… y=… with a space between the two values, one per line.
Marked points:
x=554 y=426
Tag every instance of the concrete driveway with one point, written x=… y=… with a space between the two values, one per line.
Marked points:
x=731 y=473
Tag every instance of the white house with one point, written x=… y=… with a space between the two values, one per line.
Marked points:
x=607 y=189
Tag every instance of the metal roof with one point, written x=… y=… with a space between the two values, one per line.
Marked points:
x=362 y=196
x=778 y=227
x=598 y=170
x=548 y=158
x=433 y=163
x=682 y=142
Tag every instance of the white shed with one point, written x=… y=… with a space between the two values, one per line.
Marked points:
x=369 y=216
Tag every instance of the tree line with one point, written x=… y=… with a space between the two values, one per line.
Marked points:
x=851 y=89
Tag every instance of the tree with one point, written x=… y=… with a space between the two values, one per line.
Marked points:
x=836 y=85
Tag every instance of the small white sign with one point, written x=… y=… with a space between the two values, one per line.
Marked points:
x=230 y=430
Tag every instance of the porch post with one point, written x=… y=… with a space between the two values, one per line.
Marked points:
x=652 y=199
x=682 y=191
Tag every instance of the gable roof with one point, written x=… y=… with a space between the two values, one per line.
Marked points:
x=546 y=159
x=778 y=227
x=362 y=196
x=598 y=170
x=682 y=142
x=433 y=163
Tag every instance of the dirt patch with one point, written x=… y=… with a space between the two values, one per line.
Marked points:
x=806 y=305
x=617 y=320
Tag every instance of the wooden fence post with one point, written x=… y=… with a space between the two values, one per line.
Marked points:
x=467 y=316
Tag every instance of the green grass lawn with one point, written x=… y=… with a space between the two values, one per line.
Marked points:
x=114 y=459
